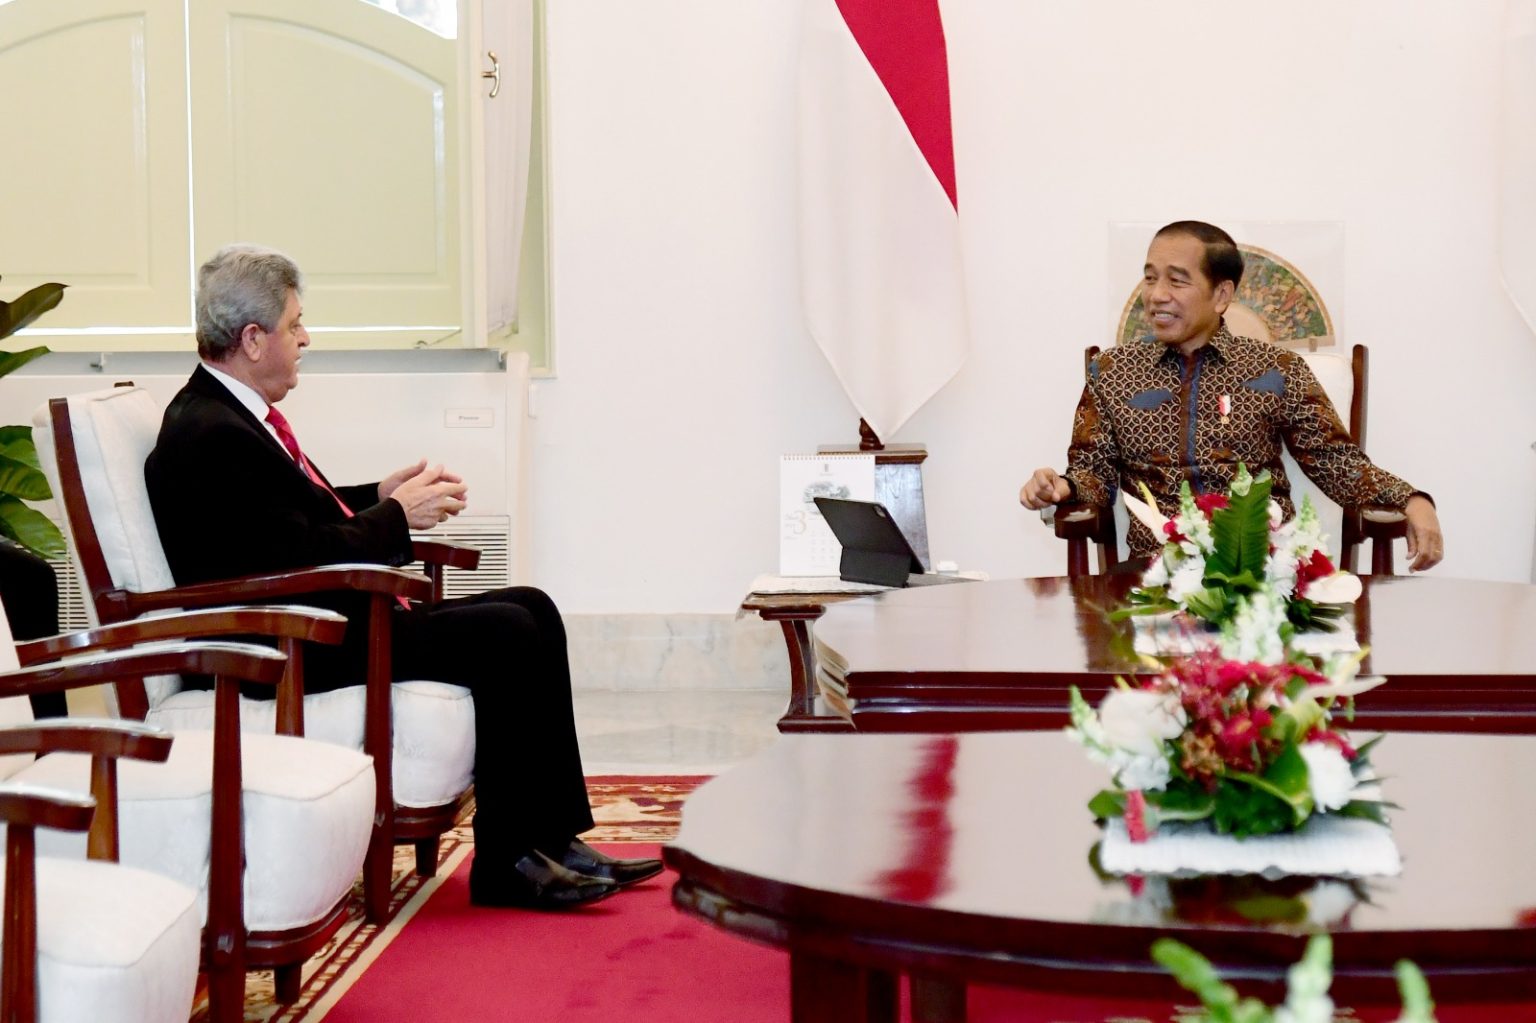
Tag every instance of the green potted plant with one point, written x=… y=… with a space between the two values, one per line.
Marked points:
x=21 y=477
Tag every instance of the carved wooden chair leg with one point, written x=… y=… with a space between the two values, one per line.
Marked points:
x=426 y=856
x=289 y=981
x=224 y=933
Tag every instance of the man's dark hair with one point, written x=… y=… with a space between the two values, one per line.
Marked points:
x=1222 y=260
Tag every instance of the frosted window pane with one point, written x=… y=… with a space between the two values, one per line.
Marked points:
x=440 y=16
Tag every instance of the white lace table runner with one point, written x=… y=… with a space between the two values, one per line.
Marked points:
x=1324 y=847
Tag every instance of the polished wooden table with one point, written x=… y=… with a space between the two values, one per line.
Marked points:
x=971 y=858
x=1457 y=654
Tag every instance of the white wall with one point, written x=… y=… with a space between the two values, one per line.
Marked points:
x=684 y=367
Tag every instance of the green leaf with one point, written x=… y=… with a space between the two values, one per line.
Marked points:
x=1183 y=800
x=18 y=479
x=23 y=451
x=1286 y=780
x=1246 y=808
x=1108 y=803
x=30 y=528
x=15 y=360
x=32 y=304
x=1240 y=532
x=1196 y=975
x=1418 y=1007
x=1361 y=809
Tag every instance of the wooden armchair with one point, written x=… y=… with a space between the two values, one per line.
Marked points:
x=93 y=447
x=1344 y=380
x=274 y=827
x=120 y=943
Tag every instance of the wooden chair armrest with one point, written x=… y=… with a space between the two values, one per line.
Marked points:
x=105 y=737
x=33 y=806
x=1077 y=521
x=292 y=622
x=236 y=660
x=441 y=552
x=327 y=578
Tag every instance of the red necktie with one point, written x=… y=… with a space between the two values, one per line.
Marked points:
x=285 y=434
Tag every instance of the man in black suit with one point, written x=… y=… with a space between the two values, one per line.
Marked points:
x=234 y=495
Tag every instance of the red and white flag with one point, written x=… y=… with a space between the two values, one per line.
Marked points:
x=880 y=269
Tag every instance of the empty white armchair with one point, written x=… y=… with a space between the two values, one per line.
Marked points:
x=266 y=832
x=88 y=939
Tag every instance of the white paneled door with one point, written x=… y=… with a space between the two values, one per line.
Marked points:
x=328 y=128
x=139 y=141
x=93 y=177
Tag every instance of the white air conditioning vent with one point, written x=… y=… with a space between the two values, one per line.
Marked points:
x=491 y=536
x=72 y=614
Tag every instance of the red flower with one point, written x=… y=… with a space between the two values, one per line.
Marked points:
x=1210 y=503
x=1316 y=567
x=1239 y=734
x=1136 y=815
x=1334 y=739
x=1172 y=532
x=1309 y=675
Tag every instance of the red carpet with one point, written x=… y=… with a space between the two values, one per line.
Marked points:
x=634 y=959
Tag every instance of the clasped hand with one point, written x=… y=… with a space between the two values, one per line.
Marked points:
x=428 y=495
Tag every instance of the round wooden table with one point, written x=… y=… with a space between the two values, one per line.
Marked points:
x=972 y=858
x=1458 y=654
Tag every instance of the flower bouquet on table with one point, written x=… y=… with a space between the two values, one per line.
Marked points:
x=1230 y=566
x=1248 y=748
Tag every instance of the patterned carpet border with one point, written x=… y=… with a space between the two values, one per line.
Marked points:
x=627 y=808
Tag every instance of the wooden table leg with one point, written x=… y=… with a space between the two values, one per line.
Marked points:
x=800 y=715
x=827 y=991
x=937 y=1000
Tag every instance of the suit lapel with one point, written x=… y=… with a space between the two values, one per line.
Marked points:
x=206 y=385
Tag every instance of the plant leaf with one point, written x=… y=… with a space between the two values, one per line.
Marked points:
x=1108 y=803
x=15 y=360
x=1418 y=1007
x=30 y=528
x=32 y=304
x=18 y=479
x=1240 y=532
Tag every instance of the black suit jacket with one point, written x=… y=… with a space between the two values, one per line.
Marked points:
x=230 y=501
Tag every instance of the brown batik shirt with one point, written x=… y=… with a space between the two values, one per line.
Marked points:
x=1149 y=416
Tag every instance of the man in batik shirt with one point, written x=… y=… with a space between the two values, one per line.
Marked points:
x=1194 y=400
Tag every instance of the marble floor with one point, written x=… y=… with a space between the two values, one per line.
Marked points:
x=674 y=731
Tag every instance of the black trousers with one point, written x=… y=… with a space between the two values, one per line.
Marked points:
x=30 y=592
x=508 y=648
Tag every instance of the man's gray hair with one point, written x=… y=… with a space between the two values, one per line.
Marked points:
x=241 y=284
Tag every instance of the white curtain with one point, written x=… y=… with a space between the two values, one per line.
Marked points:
x=506 y=30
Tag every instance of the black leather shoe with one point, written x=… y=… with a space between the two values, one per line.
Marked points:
x=583 y=859
x=535 y=882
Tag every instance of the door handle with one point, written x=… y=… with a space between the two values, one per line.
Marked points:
x=494 y=74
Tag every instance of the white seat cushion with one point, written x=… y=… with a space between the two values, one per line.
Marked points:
x=308 y=809
x=433 y=723
x=114 y=944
